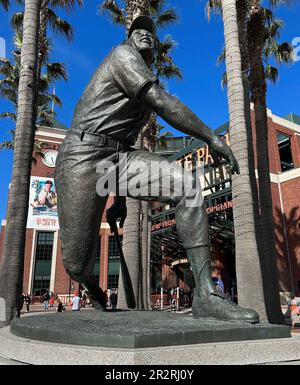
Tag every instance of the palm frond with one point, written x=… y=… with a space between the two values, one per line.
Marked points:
x=7 y=145
x=54 y=72
x=165 y=46
x=213 y=6
x=45 y=116
x=8 y=115
x=5 y=4
x=169 y=72
x=272 y=31
x=221 y=58
x=166 y=18
x=276 y=3
x=268 y=15
x=59 y=25
x=224 y=80
x=111 y=8
x=271 y=73
x=46 y=99
x=18 y=41
x=284 y=53
x=17 y=21
x=67 y=5
x=9 y=94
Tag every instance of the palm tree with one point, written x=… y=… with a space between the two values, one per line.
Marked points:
x=267 y=47
x=257 y=40
x=136 y=251
x=12 y=262
x=10 y=70
x=249 y=278
x=48 y=17
x=52 y=71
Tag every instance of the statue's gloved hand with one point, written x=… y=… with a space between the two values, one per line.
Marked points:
x=117 y=211
x=219 y=149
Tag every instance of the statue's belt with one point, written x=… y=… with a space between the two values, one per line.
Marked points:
x=105 y=140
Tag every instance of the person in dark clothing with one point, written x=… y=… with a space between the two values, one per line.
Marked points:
x=27 y=301
x=46 y=298
x=113 y=300
x=60 y=306
x=22 y=300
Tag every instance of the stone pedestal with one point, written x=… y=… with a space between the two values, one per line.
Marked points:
x=143 y=338
x=138 y=329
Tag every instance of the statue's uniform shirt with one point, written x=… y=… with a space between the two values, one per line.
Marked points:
x=110 y=104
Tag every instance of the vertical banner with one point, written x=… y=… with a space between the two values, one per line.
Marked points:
x=42 y=213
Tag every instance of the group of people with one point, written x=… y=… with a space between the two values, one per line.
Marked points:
x=79 y=300
x=178 y=298
x=49 y=300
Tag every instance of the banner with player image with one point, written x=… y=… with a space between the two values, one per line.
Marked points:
x=42 y=213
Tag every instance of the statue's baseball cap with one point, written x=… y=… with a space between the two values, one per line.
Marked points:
x=143 y=22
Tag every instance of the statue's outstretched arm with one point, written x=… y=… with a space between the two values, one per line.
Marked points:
x=176 y=113
x=179 y=116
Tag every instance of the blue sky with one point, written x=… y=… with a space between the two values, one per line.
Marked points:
x=198 y=44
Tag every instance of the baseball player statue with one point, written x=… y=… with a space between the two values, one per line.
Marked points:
x=113 y=109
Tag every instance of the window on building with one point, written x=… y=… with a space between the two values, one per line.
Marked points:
x=285 y=151
x=97 y=260
x=113 y=250
x=43 y=259
x=41 y=284
x=113 y=281
x=44 y=246
x=113 y=262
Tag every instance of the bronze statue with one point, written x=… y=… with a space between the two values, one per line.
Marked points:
x=108 y=118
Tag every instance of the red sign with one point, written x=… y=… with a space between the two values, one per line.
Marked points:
x=219 y=207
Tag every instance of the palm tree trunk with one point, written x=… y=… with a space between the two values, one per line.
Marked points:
x=256 y=30
x=12 y=262
x=132 y=252
x=145 y=240
x=249 y=279
x=242 y=12
x=42 y=50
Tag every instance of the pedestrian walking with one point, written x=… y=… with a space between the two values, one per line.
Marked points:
x=75 y=301
x=46 y=298
x=60 y=306
x=83 y=299
x=51 y=301
x=174 y=299
x=22 y=299
x=113 y=300
x=27 y=301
